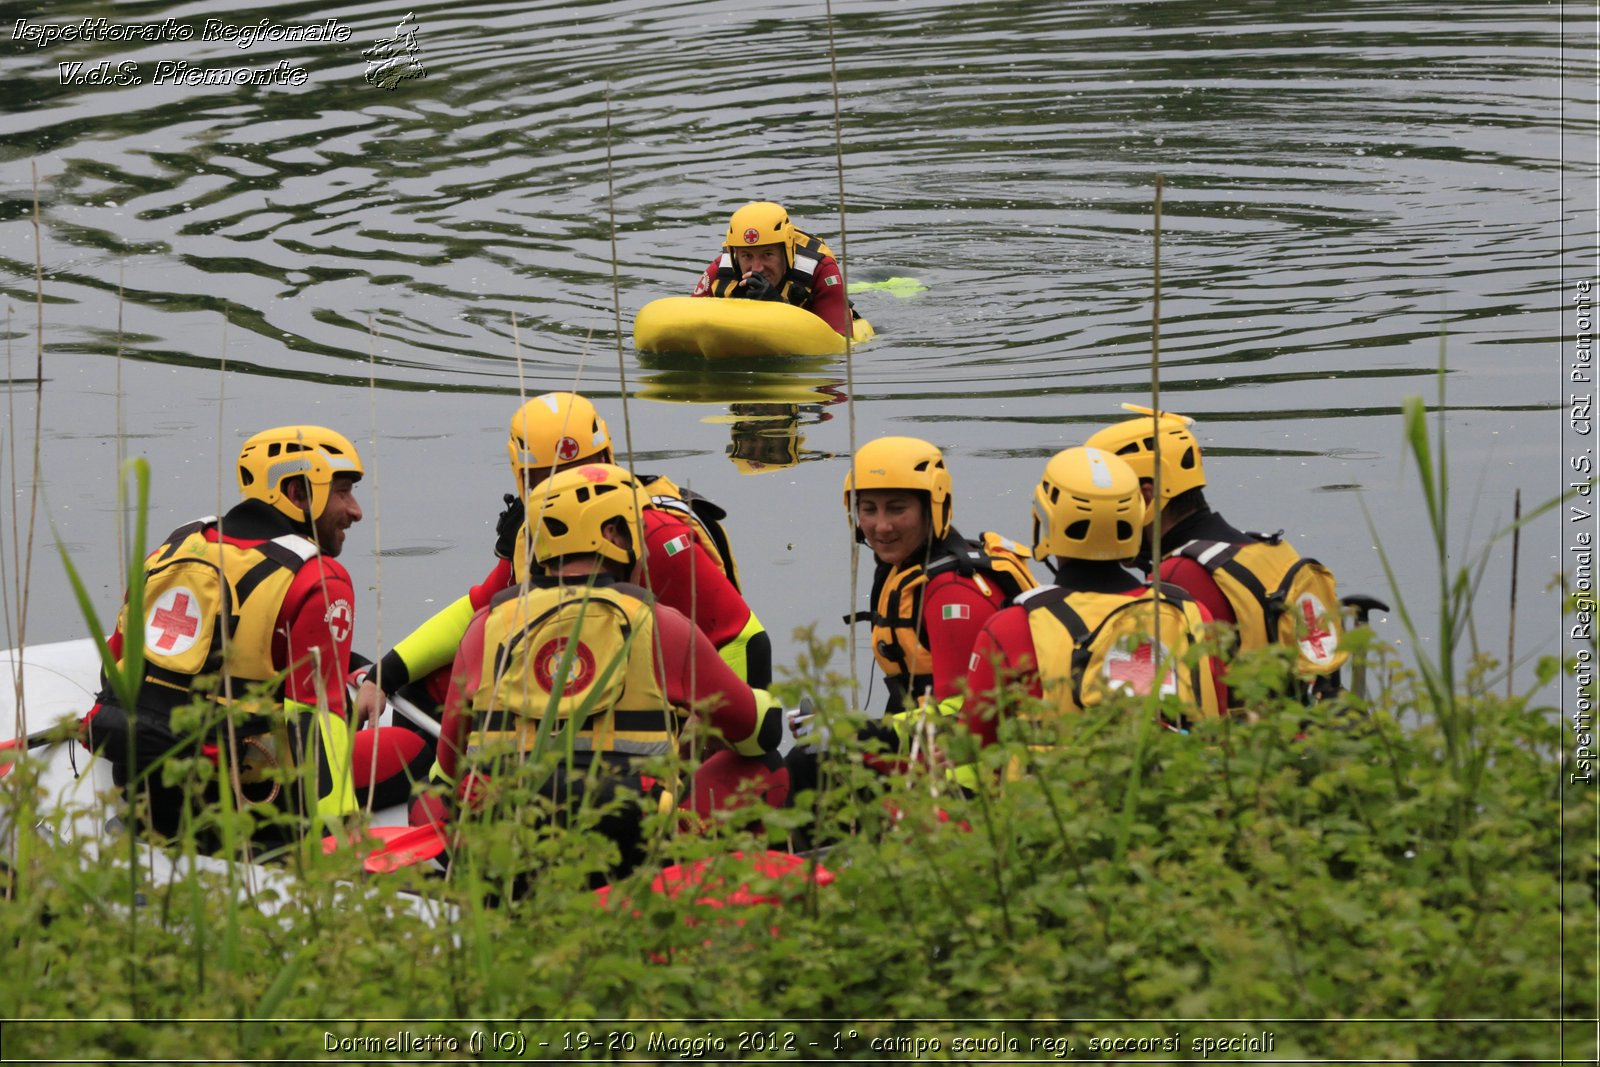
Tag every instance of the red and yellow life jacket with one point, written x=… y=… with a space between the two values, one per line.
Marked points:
x=1091 y=644
x=201 y=595
x=1277 y=596
x=582 y=654
x=995 y=564
x=703 y=518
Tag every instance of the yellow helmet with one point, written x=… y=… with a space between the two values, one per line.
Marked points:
x=903 y=463
x=552 y=429
x=761 y=223
x=568 y=513
x=1134 y=441
x=314 y=453
x=1088 y=505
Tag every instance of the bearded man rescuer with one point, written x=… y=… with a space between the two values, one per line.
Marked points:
x=270 y=561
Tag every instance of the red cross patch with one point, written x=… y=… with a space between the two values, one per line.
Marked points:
x=548 y=660
x=1315 y=644
x=340 y=618
x=1133 y=671
x=752 y=236
x=566 y=450
x=174 y=622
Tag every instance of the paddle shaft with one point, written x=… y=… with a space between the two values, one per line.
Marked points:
x=33 y=740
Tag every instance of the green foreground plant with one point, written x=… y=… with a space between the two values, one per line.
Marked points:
x=1271 y=872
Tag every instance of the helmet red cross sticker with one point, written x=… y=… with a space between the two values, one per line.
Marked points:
x=1315 y=644
x=567 y=449
x=752 y=236
x=174 y=622
x=548 y=660
x=1131 y=672
x=340 y=618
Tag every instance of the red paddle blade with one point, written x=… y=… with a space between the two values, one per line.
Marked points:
x=418 y=844
x=374 y=837
x=18 y=744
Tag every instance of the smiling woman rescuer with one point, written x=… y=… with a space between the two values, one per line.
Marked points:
x=932 y=589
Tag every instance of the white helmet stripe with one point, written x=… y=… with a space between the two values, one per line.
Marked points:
x=283 y=468
x=1099 y=473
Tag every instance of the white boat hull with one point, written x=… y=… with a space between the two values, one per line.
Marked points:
x=75 y=799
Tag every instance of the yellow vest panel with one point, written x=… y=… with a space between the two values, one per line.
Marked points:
x=573 y=652
x=199 y=592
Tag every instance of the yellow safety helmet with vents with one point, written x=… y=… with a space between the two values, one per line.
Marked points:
x=568 y=513
x=1134 y=442
x=314 y=453
x=761 y=223
x=1088 y=505
x=553 y=429
x=903 y=463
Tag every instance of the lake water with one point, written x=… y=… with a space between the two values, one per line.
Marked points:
x=1350 y=190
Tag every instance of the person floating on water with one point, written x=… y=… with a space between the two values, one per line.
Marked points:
x=764 y=257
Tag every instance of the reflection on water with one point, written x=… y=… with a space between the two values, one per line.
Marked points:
x=1345 y=192
x=765 y=409
x=767 y=437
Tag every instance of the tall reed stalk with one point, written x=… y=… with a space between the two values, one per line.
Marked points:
x=1455 y=592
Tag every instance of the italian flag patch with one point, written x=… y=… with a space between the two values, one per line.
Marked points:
x=677 y=544
x=955 y=611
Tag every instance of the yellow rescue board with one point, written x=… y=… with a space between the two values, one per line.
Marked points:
x=718 y=328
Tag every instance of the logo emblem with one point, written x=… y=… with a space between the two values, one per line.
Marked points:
x=1316 y=645
x=340 y=618
x=392 y=60
x=174 y=622
x=752 y=236
x=566 y=450
x=548 y=660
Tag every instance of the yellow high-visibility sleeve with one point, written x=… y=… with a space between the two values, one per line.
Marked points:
x=734 y=652
x=433 y=644
x=769 y=727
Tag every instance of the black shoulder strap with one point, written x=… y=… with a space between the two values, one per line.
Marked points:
x=180 y=535
x=638 y=592
x=1245 y=577
x=1069 y=618
x=276 y=556
x=966 y=557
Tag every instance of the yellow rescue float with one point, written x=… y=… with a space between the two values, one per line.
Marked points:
x=732 y=329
